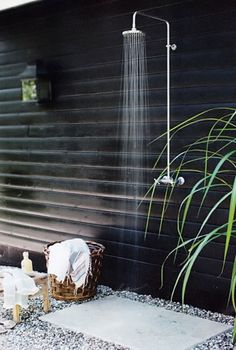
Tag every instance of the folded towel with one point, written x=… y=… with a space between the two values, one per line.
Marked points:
x=17 y=286
x=70 y=258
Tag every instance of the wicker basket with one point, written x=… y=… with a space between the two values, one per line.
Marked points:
x=66 y=290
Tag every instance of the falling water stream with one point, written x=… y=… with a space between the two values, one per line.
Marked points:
x=133 y=134
x=134 y=128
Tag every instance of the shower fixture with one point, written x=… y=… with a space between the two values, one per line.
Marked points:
x=167 y=179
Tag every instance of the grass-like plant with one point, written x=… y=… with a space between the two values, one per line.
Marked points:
x=213 y=158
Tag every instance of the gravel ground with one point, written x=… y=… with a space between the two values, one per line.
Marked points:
x=33 y=334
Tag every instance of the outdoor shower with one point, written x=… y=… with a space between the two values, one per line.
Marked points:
x=134 y=37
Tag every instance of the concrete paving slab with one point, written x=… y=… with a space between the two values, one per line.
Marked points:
x=135 y=325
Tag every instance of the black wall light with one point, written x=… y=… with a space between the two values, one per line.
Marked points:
x=36 y=84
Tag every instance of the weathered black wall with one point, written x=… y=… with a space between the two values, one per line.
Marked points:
x=59 y=164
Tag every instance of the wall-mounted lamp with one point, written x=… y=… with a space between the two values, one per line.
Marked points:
x=35 y=83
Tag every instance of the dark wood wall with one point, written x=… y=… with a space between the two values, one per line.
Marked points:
x=60 y=174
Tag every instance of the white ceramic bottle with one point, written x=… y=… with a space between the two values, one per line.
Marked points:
x=26 y=263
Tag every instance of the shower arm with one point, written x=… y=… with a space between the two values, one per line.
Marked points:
x=168 y=47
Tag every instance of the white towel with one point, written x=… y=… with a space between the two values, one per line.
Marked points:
x=58 y=262
x=70 y=258
x=17 y=286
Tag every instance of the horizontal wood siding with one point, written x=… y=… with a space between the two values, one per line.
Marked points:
x=60 y=173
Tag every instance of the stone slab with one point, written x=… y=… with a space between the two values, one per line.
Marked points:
x=135 y=325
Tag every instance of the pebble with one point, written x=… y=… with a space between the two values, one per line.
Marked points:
x=34 y=334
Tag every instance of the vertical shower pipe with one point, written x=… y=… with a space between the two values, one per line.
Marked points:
x=168 y=47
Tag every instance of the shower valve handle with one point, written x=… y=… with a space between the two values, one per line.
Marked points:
x=172 y=46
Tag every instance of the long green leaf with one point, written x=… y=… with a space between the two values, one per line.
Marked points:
x=232 y=209
x=191 y=261
x=233 y=286
x=186 y=204
x=234 y=332
x=150 y=206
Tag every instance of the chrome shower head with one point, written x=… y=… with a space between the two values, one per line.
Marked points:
x=133 y=31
